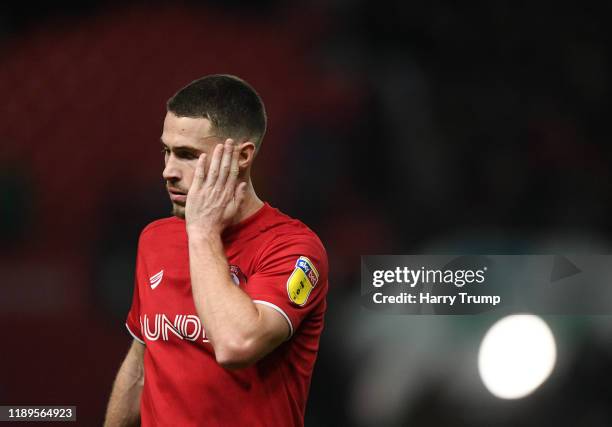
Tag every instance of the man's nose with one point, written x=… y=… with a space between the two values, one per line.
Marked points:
x=171 y=170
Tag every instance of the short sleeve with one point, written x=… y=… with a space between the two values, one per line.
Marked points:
x=133 y=318
x=291 y=277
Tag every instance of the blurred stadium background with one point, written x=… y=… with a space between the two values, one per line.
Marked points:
x=395 y=127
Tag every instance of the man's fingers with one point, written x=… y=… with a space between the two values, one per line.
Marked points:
x=234 y=171
x=226 y=163
x=213 y=170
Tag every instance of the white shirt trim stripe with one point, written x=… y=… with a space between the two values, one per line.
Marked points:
x=132 y=334
x=277 y=308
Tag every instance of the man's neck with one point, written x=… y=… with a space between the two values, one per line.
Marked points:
x=249 y=206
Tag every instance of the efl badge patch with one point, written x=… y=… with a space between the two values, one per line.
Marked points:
x=301 y=282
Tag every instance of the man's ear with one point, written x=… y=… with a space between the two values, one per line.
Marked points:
x=247 y=154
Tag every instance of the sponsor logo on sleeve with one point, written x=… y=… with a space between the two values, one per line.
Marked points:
x=302 y=280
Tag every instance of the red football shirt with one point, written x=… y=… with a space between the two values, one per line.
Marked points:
x=278 y=262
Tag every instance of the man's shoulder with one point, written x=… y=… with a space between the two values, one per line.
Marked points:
x=284 y=231
x=283 y=226
x=161 y=226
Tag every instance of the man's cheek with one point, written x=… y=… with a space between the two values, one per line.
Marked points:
x=189 y=177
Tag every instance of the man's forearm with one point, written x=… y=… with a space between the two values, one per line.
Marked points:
x=124 y=403
x=229 y=315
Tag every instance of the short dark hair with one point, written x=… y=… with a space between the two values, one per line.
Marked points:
x=233 y=107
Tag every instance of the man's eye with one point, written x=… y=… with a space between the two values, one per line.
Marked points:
x=187 y=155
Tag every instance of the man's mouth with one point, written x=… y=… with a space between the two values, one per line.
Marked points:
x=177 y=196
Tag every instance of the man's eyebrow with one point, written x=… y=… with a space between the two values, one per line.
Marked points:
x=181 y=147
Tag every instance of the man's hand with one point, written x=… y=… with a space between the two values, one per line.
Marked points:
x=240 y=331
x=214 y=198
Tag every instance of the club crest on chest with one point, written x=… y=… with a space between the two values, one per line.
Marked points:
x=237 y=275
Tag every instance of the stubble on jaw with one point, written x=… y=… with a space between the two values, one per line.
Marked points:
x=178 y=211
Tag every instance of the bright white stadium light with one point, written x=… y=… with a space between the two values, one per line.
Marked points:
x=516 y=356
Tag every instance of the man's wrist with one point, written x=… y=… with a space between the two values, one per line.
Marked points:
x=203 y=233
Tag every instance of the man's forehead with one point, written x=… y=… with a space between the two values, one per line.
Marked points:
x=186 y=129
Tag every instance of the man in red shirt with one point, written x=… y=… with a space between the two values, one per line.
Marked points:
x=229 y=296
